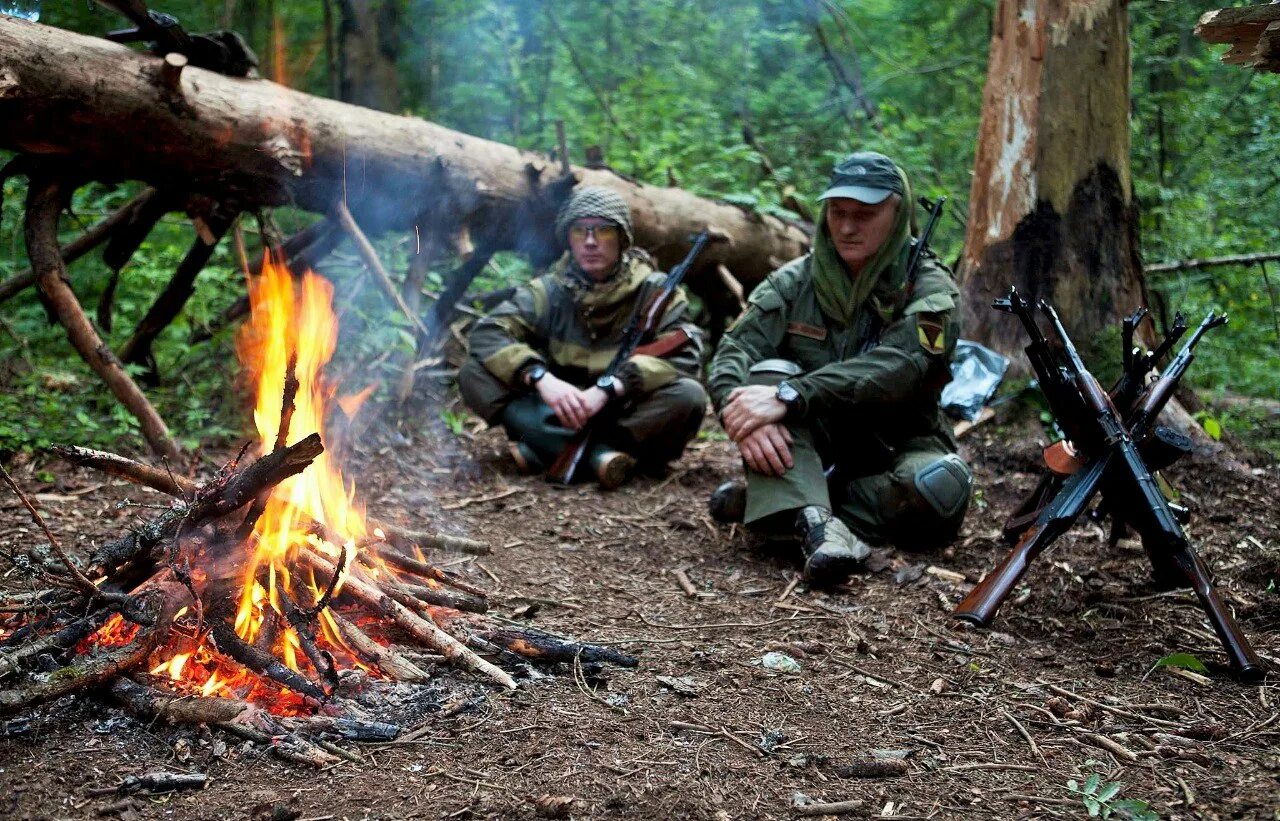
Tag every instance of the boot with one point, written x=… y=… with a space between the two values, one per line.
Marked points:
x=728 y=503
x=527 y=462
x=831 y=551
x=612 y=467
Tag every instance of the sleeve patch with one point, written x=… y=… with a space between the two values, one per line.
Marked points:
x=932 y=333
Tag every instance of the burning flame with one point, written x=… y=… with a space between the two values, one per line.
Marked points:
x=290 y=336
x=292 y=326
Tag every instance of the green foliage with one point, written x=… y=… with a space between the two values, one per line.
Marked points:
x=664 y=88
x=1184 y=661
x=1100 y=800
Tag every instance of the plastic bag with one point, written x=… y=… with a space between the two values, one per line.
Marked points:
x=976 y=372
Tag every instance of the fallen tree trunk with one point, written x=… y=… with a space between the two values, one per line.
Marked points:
x=250 y=143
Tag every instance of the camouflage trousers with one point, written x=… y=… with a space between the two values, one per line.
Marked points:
x=654 y=428
x=914 y=495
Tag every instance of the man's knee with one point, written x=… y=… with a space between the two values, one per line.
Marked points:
x=942 y=487
x=687 y=398
x=482 y=392
x=772 y=371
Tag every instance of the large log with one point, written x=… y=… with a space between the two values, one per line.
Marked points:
x=253 y=143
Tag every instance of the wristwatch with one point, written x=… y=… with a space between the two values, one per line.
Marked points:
x=788 y=395
x=533 y=373
x=611 y=385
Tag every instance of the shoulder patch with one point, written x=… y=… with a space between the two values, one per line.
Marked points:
x=766 y=299
x=932 y=332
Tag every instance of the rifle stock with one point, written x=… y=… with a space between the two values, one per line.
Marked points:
x=643 y=323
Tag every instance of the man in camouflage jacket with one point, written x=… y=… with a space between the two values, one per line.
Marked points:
x=536 y=362
x=829 y=385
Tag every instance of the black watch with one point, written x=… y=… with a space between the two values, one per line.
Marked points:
x=787 y=394
x=533 y=373
x=611 y=385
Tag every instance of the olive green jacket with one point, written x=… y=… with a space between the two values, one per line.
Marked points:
x=574 y=326
x=892 y=388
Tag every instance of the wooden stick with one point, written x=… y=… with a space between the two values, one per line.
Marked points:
x=93 y=236
x=45 y=200
x=264 y=663
x=77 y=575
x=149 y=702
x=214 y=499
x=410 y=563
x=834 y=808
x=170 y=302
x=166 y=598
x=422 y=629
x=407 y=539
x=385 y=659
x=1211 y=262
x=122 y=467
x=370 y=257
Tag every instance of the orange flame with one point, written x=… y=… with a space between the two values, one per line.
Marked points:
x=292 y=319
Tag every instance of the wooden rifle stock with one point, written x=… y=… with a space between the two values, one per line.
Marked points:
x=644 y=321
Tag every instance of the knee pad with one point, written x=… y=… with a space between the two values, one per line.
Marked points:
x=772 y=371
x=945 y=485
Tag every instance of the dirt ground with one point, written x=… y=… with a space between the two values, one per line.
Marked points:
x=979 y=723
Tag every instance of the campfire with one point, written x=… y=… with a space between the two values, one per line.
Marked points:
x=261 y=599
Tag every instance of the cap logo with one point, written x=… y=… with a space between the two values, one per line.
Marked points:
x=859 y=170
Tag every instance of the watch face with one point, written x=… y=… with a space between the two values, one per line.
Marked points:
x=787 y=394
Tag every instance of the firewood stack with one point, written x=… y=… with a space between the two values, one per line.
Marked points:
x=153 y=617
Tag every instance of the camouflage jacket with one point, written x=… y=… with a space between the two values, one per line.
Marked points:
x=891 y=388
x=574 y=326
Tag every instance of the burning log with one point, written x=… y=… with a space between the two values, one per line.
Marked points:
x=224 y=598
x=385 y=659
x=421 y=628
x=212 y=501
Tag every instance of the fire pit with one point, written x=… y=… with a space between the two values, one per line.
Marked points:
x=263 y=599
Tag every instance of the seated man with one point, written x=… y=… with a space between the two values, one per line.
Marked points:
x=829 y=385
x=536 y=362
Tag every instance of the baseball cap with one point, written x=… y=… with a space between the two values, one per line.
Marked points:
x=866 y=176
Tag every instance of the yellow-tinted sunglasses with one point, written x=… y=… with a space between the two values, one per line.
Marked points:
x=603 y=232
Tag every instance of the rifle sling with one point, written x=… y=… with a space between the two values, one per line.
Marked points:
x=664 y=345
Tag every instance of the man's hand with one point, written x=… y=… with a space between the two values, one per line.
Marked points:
x=767 y=449
x=750 y=408
x=595 y=400
x=569 y=403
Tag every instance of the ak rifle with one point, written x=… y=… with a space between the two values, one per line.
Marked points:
x=1115 y=450
x=643 y=324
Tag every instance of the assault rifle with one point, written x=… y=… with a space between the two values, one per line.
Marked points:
x=1112 y=451
x=644 y=322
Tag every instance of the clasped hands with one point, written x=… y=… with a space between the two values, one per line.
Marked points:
x=753 y=419
x=573 y=406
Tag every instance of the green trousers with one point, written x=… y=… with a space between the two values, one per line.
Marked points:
x=654 y=428
x=914 y=495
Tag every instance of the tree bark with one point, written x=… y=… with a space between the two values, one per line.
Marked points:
x=368 y=47
x=250 y=143
x=45 y=201
x=1051 y=208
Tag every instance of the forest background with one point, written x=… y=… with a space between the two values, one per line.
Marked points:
x=665 y=88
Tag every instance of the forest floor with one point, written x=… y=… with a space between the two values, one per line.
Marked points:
x=990 y=723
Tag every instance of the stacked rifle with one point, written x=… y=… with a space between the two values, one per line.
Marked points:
x=1112 y=449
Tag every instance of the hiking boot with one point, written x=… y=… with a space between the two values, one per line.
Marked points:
x=728 y=503
x=831 y=551
x=612 y=467
x=526 y=460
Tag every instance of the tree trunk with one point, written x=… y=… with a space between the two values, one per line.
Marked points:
x=368 y=47
x=250 y=143
x=1051 y=209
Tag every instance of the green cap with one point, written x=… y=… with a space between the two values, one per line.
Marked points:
x=866 y=176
